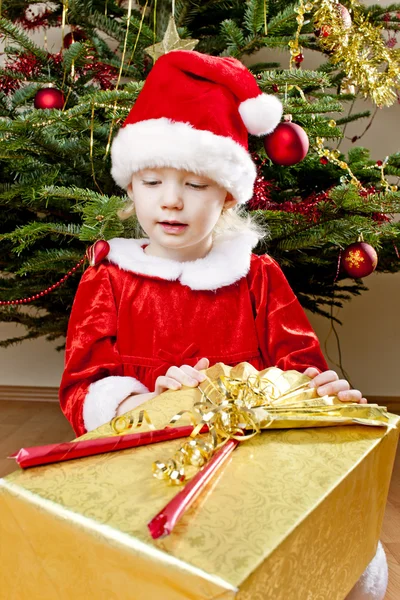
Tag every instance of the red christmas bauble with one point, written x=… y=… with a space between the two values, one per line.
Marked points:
x=49 y=97
x=287 y=145
x=73 y=36
x=359 y=259
x=97 y=252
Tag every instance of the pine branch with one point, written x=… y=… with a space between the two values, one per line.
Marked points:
x=25 y=236
x=254 y=16
x=294 y=77
x=23 y=40
x=354 y=117
x=49 y=260
x=24 y=95
x=74 y=55
x=233 y=36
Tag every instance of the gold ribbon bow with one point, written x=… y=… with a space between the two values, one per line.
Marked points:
x=236 y=408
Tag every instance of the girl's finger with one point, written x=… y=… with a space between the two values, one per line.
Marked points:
x=323 y=378
x=166 y=383
x=182 y=377
x=350 y=396
x=332 y=388
x=193 y=373
x=311 y=372
x=203 y=363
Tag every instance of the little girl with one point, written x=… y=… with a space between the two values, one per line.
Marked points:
x=159 y=310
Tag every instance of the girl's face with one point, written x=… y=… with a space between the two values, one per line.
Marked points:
x=178 y=210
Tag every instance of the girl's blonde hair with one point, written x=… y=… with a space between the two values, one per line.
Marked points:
x=235 y=220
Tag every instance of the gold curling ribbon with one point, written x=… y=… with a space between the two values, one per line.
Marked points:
x=126 y=422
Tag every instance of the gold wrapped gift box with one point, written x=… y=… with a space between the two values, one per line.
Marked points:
x=295 y=514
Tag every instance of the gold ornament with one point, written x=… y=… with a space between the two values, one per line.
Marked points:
x=171 y=41
x=355 y=258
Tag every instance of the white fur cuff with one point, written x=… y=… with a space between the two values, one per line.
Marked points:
x=373 y=582
x=105 y=395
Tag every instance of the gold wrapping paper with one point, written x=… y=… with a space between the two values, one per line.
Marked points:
x=295 y=514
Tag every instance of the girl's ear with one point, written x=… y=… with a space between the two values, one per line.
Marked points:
x=230 y=201
x=129 y=191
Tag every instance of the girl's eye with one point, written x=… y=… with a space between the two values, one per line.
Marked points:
x=150 y=183
x=198 y=186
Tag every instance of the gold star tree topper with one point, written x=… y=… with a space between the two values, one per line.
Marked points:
x=171 y=41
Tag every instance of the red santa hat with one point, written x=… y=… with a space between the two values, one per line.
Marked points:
x=194 y=113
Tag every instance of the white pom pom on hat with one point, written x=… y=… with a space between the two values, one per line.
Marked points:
x=194 y=113
x=261 y=114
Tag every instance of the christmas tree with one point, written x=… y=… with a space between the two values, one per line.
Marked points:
x=59 y=112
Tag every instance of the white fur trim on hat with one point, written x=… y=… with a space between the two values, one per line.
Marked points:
x=373 y=582
x=165 y=143
x=261 y=114
x=227 y=262
x=104 y=396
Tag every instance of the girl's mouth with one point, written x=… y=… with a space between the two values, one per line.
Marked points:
x=173 y=226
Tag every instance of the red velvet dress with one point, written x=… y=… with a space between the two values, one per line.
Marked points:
x=135 y=326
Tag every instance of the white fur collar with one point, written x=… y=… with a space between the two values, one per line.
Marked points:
x=227 y=262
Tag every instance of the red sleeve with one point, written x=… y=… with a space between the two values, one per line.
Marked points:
x=93 y=384
x=90 y=352
x=286 y=338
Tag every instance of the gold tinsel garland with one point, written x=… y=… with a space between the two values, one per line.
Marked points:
x=360 y=50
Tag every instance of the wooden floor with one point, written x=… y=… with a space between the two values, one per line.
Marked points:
x=38 y=423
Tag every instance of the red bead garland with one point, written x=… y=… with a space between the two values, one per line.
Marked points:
x=44 y=292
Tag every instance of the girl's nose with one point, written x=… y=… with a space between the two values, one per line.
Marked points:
x=171 y=196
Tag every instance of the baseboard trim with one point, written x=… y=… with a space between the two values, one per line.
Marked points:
x=27 y=393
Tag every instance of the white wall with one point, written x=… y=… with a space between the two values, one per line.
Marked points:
x=34 y=362
x=369 y=337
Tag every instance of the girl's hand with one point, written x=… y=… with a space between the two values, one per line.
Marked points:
x=176 y=377
x=132 y=402
x=329 y=384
